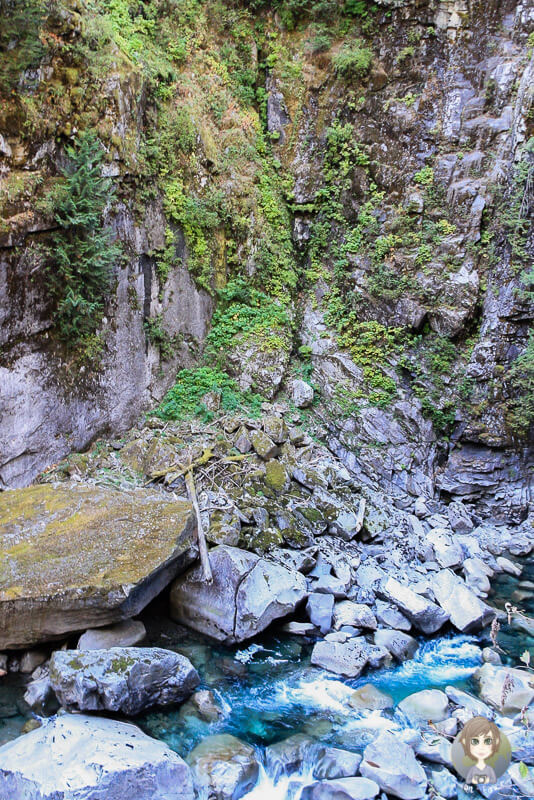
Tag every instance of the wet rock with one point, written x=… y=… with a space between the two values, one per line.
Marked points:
x=467 y=612
x=100 y=758
x=491 y=656
x=434 y=748
x=288 y=755
x=356 y=614
x=508 y=566
x=246 y=595
x=299 y=628
x=40 y=696
x=224 y=768
x=148 y=540
x=264 y=445
x=348 y=658
x=332 y=762
x=123 y=679
x=302 y=394
x=341 y=789
x=392 y=764
x=123 y=634
x=504 y=688
x=368 y=696
x=399 y=644
x=429 y=705
x=206 y=706
x=425 y=615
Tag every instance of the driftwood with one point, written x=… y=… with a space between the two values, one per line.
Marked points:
x=202 y=545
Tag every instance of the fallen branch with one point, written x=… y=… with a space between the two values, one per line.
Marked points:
x=202 y=545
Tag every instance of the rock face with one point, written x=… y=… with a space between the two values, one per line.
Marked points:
x=123 y=679
x=392 y=764
x=224 y=768
x=247 y=594
x=100 y=758
x=56 y=576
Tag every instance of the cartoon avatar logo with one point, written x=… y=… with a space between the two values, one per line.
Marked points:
x=480 y=752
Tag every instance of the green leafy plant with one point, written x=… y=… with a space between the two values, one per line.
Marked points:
x=185 y=398
x=521 y=381
x=354 y=60
x=80 y=261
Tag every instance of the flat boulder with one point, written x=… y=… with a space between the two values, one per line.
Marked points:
x=123 y=634
x=247 y=594
x=99 y=758
x=78 y=557
x=467 y=612
x=392 y=764
x=425 y=615
x=122 y=679
x=345 y=658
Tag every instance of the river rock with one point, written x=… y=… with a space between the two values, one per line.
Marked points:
x=288 y=755
x=101 y=759
x=477 y=576
x=123 y=634
x=333 y=762
x=391 y=617
x=121 y=679
x=205 y=705
x=399 y=644
x=368 y=696
x=467 y=611
x=319 y=609
x=392 y=764
x=224 y=768
x=344 y=658
x=246 y=595
x=445 y=783
x=425 y=615
x=356 y=614
x=505 y=688
x=508 y=566
x=341 y=789
x=447 y=552
x=429 y=705
x=473 y=704
x=78 y=557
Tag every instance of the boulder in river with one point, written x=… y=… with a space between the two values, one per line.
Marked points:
x=122 y=679
x=399 y=644
x=505 y=688
x=468 y=612
x=288 y=755
x=77 y=557
x=368 y=696
x=425 y=615
x=428 y=705
x=392 y=764
x=99 y=758
x=224 y=768
x=123 y=634
x=341 y=789
x=358 y=615
x=333 y=762
x=246 y=595
x=344 y=658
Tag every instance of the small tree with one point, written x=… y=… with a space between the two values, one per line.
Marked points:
x=83 y=252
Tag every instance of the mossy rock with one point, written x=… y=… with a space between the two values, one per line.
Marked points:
x=276 y=476
x=77 y=557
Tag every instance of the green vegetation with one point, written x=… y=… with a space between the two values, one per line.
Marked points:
x=82 y=255
x=21 y=47
x=425 y=176
x=517 y=215
x=185 y=397
x=521 y=381
x=353 y=61
x=160 y=338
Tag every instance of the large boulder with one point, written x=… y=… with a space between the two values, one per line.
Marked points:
x=347 y=658
x=224 y=768
x=332 y=762
x=505 y=688
x=401 y=645
x=467 y=612
x=429 y=705
x=425 y=615
x=288 y=755
x=392 y=764
x=246 y=595
x=356 y=614
x=77 y=557
x=121 y=679
x=76 y=757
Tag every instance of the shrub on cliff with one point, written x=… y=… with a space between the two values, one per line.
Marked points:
x=353 y=60
x=81 y=257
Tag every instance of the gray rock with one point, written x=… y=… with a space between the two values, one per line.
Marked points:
x=399 y=644
x=40 y=696
x=224 y=768
x=505 y=688
x=99 y=758
x=447 y=552
x=341 y=789
x=348 y=658
x=264 y=445
x=421 y=508
x=299 y=628
x=459 y=518
x=123 y=634
x=467 y=612
x=428 y=705
x=392 y=764
x=368 y=696
x=329 y=584
x=525 y=783
x=466 y=700
x=332 y=762
x=477 y=575
x=123 y=679
x=319 y=609
x=32 y=659
x=445 y=783
x=508 y=566
x=424 y=614
x=434 y=748
x=288 y=755
x=356 y=614
x=205 y=705
x=302 y=394
x=246 y=595
x=391 y=617
x=491 y=656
